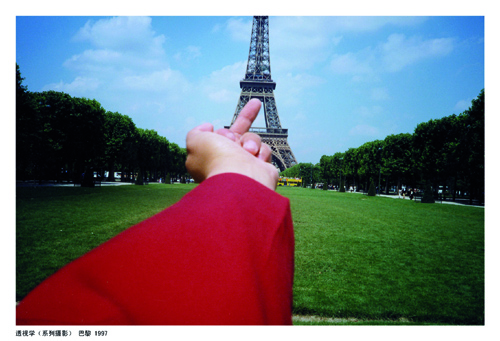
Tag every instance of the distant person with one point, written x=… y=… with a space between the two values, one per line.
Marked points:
x=223 y=255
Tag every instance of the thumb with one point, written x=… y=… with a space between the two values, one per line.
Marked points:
x=202 y=128
x=205 y=127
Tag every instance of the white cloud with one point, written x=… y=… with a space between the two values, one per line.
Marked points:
x=167 y=81
x=95 y=61
x=127 y=60
x=316 y=37
x=120 y=45
x=291 y=89
x=189 y=53
x=379 y=94
x=126 y=70
x=373 y=23
x=311 y=43
x=300 y=116
x=399 y=51
x=336 y=40
x=393 y=55
x=364 y=130
x=122 y=34
x=80 y=86
x=350 y=63
x=217 y=28
x=239 y=29
x=365 y=112
x=222 y=85
x=221 y=96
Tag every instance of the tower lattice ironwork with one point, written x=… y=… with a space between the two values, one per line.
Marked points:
x=259 y=84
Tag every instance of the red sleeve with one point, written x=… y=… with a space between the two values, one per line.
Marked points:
x=223 y=255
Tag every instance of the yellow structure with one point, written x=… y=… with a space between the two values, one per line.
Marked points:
x=293 y=182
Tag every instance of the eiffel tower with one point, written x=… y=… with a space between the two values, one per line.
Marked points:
x=258 y=84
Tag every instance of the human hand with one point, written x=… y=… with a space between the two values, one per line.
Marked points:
x=232 y=150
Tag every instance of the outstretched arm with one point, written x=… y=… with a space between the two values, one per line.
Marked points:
x=221 y=255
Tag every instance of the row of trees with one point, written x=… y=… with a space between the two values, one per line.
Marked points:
x=446 y=153
x=59 y=137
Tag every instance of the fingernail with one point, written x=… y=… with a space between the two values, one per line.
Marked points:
x=250 y=146
x=205 y=127
x=231 y=135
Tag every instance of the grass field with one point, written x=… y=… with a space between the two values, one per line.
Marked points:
x=358 y=259
x=55 y=225
x=379 y=258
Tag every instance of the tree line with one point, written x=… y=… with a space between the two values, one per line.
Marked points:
x=446 y=154
x=64 y=138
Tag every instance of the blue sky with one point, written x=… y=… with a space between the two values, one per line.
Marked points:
x=341 y=81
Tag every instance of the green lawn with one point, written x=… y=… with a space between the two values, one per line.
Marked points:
x=56 y=225
x=387 y=259
x=357 y=258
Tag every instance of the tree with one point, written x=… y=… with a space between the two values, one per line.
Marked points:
x=87 y=140
x=370 y=160
x=474 y=140
x=427 y=143
x=351 y=167
x=309 y=173
x=337 y=164
x=292 y=172
x=120 y=134
x=59 y=136
x=371 y=190
x=70 y=135
x=149 y=152
x=53 y=117
x=444 y=149
x=178 y=157
x=28 y=137
x=164 y=163
x=397 y=162
x=326 y=170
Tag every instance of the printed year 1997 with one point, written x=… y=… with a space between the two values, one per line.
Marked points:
x=101 y=333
